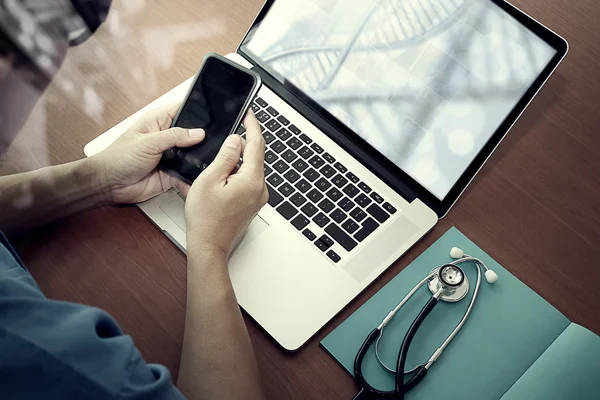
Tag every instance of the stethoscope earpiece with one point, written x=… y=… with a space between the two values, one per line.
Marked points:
x=491 y=276
x=456 y=253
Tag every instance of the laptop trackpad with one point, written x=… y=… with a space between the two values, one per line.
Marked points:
x=175 y=209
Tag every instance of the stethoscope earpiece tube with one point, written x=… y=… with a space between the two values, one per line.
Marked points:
x=401 y=386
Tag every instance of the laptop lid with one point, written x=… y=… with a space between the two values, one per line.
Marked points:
x=421 y=91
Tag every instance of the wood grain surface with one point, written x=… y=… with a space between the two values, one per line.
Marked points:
x=534 y=207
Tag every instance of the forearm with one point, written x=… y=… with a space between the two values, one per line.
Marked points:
x=218 y=360
x=47 y=194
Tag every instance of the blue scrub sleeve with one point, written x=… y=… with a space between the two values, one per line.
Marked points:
x=58 y=350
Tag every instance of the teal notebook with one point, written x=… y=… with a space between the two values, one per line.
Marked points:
x=514 y=345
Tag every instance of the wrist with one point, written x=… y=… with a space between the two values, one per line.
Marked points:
x=101 y=185
x=88 y=170
x=205 y=250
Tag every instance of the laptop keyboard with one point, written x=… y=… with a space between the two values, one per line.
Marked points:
x=311 y=189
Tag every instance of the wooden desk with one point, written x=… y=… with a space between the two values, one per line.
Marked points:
x=534 y=207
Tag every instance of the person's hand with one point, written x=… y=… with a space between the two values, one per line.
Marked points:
x=128 y=166
x=223 y=200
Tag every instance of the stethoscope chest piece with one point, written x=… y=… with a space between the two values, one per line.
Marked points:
x=452 y=280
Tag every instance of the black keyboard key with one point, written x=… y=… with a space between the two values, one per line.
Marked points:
x=283 y=134
x=368 y=226
x=339 y=181
x=318 y=149
x=294 y=143
x=292 y=176
x=275 y=180
x=327 y=240
x=334 y=194
x=377 y=197
x=305 y=152
x=295 y=130
x=297 y=199
x=353 y=178
x=269 y=137
x=305 y=139
x=329 y=158
x=316 y=162
x=286 y=189
x=311 y=175
x=333 y=256
x=240 y=130
x=338 y=215
x=340 y=167
x=363 y=186
x=283 y=120
x=378 y=213
x=326 y=205
x=328 y=171
x=274 y=197
x=350 y=191
x=268 y=170
x=309 y=209
x=289 y=156
x=270 y=157
x=309 y=235
x=358 y=214
x=389 y=208
x=323 y=184
x=350 y=226
x=255 y=108
x=262 y=128
x=262 y=116
x=300 y=165
x=346 y=204
x=340 y=236
x=302 y=186
x=362 y=200
x=315 y=196
x=300 y=222
x=261 y=102
x=273 y=125
x=321 y=219
x=280 y=166
x=321 y=246
x=278 y=147
x=287 y=210
x=272 y=111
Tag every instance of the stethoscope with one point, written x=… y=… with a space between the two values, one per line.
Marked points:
x=447 y=283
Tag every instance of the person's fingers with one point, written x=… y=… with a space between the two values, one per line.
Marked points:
x=181 y=186
x=159 y=119
x=158 y=142
x=254 y=152
x=227 y=159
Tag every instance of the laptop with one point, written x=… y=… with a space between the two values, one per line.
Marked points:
x=377 y=115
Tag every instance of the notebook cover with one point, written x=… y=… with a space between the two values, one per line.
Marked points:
x=568 y=369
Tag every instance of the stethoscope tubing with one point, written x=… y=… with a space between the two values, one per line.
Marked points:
x=369 y=392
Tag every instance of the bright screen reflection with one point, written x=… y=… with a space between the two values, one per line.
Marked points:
x=425 y=82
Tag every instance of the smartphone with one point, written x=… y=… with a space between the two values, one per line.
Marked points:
x=217 y=101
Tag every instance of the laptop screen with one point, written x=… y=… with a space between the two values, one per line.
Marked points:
x=425 y=82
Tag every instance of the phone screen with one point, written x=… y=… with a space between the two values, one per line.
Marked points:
x=215 y=102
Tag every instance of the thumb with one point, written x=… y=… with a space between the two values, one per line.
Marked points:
x=227 y=159
x=174 y=137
